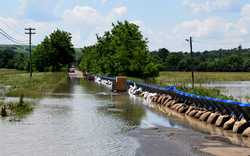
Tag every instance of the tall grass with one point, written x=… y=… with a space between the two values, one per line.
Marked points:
x=9 y=71
x=37 y=86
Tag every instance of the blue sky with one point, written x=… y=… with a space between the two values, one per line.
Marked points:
x=213 y=24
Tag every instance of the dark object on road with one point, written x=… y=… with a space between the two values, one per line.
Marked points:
x=3 y=111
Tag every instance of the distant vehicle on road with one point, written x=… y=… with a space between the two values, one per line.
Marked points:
x=72 y=70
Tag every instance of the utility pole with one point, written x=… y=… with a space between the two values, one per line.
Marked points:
x=190 y=40
x=30 y=33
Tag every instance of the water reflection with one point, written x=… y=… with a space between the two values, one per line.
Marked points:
x=67 y=125
x=131 y=114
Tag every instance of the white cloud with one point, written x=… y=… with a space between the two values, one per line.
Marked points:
x=84 y=22
x=15 y=28
x=210 y=5
x=241 y=27
x=87 y=22
x=104 y=1
x=201 y=28
x=120 y=11
x=217 y=32
x=81 y=15
x=245 y=11
x=45 y=10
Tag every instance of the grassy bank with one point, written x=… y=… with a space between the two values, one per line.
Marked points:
x=210 y=92
x=39 y=85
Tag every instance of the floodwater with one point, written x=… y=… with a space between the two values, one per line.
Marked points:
x=80 y=118
x=237 y=89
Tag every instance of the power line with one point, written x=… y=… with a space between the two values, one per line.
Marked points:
x=12 y=28
x=9 y=36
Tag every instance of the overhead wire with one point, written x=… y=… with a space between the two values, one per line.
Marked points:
x=10 y=27
x=10 y=38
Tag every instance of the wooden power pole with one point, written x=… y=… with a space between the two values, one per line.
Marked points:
x=30 y=33
x=190 y=40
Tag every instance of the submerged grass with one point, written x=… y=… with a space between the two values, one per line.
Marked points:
x=21 y=110
x=210 y=92
x=39 y=85
x=15 y=109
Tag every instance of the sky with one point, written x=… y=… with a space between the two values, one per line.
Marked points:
x=213 y=24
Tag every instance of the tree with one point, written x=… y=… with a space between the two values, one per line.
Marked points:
x=54 y=52
x=6 y=57
x=121 y=51
x=20 y=61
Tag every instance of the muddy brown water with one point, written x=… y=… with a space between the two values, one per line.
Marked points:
x=80 y=118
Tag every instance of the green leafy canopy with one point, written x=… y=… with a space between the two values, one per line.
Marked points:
x=121 y=51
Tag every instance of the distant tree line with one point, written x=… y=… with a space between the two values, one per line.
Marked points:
x=11 y=59
x=121 y=51
x=232 y=60
x=54 y=53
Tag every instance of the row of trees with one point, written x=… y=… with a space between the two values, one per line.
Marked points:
x=121 y=51
x=232 y=60
x=11 y=59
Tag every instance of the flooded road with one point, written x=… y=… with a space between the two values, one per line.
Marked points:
x=80 y=118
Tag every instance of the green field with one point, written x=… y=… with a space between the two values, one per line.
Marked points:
x=40 y=84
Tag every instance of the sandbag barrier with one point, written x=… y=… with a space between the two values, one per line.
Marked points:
x=228 y=114
x=225 y=114
x=229 y=107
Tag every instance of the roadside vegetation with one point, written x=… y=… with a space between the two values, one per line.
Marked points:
x=120 y=51
x=40 y=84
x=17 y=110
